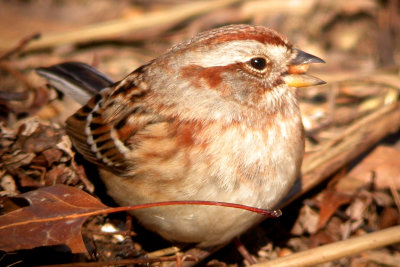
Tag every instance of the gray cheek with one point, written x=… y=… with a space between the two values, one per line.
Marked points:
x=241 y=87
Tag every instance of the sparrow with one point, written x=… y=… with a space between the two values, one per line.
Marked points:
x=214 y=118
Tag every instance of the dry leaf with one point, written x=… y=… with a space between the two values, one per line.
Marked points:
x=358 y=211
x=383 y=164
x=320 y=238
x=382 y=258
x=42 y=138
x=307 y=221
x=52 y=155
x=331 y=201
x=53 y=217
x=388 y=217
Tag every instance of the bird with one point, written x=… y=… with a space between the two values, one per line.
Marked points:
x=214 y=118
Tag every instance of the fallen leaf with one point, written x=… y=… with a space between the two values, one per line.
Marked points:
x=56 y=213
x=307 y=222
x=16 y=160
x=42 y=138
x=53 y=217
x=331 y=201
x=389 y=217
x=320 y=238
x=54 y=175
x=52 y=155
x=358 y=210
x=26 y=180
x=382 y=258
x=382 y=199
x=350 y=185
x=7 y=182
x=383 y=164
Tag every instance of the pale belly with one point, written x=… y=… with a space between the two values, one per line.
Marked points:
x=206 y=225
x=247 y=170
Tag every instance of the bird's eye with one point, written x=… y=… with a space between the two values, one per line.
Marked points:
x=259 y=63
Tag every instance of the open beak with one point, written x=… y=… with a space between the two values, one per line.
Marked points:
x=298 y=66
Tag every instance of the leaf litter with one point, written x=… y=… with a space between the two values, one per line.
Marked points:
x=362 y=194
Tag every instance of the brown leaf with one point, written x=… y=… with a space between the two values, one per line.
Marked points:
x=360 y=210
x=389 y=217
x=331 y=201
x=383 y=163
x=43 y=137
x=8 y=184
x=306 y=222
x=54 y=176
x=381 y=258
x=8 y=205
x=26 y=180
x=52 y=155
x=320 y=238
x=16 y=160
x=53 y=217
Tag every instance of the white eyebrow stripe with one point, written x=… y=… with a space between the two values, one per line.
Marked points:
x=234 y=52
x=228 y=53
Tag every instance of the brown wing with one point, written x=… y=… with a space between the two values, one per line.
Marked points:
x=101 y=129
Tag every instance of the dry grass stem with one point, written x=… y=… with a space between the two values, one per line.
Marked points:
x=338 y=250
x=117 y=27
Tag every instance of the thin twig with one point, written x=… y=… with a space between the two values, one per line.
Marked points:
x=356 y=139
x=108 y=210
x=119 y=262
x=338 y=250
x=394 y=192
x=5 y=66
x=21 y=45
x=244 y=252
x=162 y=252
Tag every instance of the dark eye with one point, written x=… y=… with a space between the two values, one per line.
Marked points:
x=259 y=63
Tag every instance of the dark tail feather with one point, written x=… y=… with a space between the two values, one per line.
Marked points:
x=76 y=79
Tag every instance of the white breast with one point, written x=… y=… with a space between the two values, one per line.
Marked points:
x=259 y=165
x=255 y=167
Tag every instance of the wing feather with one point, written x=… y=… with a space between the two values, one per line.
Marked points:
x=102 y=129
